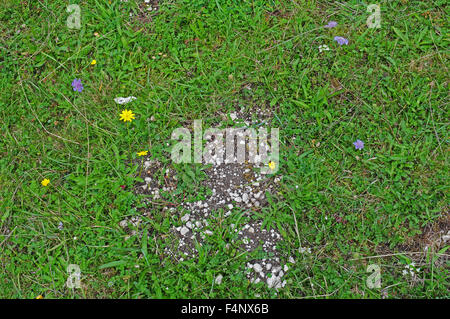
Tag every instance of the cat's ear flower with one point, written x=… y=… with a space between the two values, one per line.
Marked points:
x=127 y=116
x=272 y=165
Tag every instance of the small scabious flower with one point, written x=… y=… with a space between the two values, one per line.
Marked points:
x=341 y=40
x=272 y=165
x=331 y=24
x=127 y=116
x=60 y=226
x=143 y=153
x=77 y=85
x=45 y=182
x=359 y=145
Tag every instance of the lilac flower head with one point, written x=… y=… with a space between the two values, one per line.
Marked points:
x=341 y=40
x=77 y=86
x=359 y=145
x=331 y=24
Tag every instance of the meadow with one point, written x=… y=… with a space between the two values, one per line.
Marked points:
x=358 y=204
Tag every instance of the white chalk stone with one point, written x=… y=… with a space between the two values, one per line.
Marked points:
x=184 y=230
x=257 y=267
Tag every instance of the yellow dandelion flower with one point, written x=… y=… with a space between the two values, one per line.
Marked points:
x=127 y=115
x=45 y=182
x=272 y=165
x=40 y=297
x=143 y=153
x=94 y=62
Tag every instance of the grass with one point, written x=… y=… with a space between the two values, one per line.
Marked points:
x=388 y=87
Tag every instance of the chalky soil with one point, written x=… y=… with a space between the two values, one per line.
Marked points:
x=238 y=193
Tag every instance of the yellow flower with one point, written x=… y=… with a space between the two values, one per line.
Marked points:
x=94 y=62
x=127 y=116
x=272 y=165
x=45 y=182
x=143 y=153
x=40 y=297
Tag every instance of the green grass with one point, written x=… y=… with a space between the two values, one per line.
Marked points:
x=388 y=87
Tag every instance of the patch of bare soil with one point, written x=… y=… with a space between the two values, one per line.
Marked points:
x=147 y=9
x=238 y=193
x=433 y=238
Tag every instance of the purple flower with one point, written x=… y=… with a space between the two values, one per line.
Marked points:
x=359 y=145
x=60 y=226
x=77 y=86
x=341 y=40
x=331 y=24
